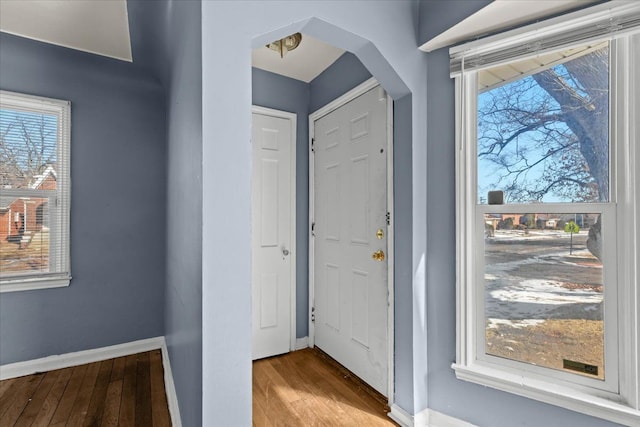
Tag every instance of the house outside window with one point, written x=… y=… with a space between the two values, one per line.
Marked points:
x=34 y=192
x=548 y=202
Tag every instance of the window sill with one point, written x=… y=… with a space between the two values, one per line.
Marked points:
x=33 y=285
x=546 y=392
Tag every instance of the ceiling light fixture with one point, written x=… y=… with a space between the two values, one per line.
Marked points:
x=286 y=44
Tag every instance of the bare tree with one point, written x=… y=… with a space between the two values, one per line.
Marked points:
x=27 y=147
x=548 y=134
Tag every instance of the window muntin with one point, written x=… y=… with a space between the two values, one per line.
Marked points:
x=34 y=192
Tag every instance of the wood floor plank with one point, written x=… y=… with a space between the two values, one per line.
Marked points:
x=160 y=407
x=50 y=405
x=275 y=410
x=112 y=403
x=4 y=386
x=308 y=410
x=143 y=391
x=323 y=389
x=280 y=385
x=23 y=391
x=117 y=372
x=128 y=403
x=279 y=403
x=260 y=418
x=322 y=404
x=68 y=398
x=119 y=392
x=96 y=404
x=303 y=388
x=9 y=395
x=81 y=405
x=36 y=401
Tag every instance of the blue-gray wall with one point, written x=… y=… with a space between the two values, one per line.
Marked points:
x=171 y=49
x=343 y=75
x=479 y=405
x=285 y=94
x=437 y=16
x=118 y=201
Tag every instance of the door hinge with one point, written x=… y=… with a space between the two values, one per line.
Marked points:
x=313 y=145
x=388 y=218
x=313 y=229
x=313 y=314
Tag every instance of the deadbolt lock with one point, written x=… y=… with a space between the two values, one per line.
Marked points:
x=380 y=234
x=378 y=255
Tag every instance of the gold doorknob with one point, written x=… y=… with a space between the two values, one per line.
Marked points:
x=378 y=255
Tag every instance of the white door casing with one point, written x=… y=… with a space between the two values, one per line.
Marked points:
x=350 y=289
x=273 y=232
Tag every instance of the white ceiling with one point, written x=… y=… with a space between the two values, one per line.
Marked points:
x=96 y=26
x=304 y=63
x=499 y=15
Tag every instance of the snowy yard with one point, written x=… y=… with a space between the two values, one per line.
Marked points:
x=543 y=304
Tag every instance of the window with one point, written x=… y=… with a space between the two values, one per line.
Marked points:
x=34 y=192
x=547 y=210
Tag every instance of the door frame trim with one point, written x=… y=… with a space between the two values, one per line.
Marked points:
x=313 y=117
x=292 y=117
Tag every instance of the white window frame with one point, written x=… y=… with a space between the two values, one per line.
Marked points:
x=618 y=397
x=59 y=200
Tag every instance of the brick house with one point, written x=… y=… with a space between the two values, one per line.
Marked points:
x=21 y=217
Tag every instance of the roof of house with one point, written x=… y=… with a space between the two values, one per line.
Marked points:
x=7 y=201
x=39 y=179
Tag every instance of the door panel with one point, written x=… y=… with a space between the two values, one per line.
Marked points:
x=350 y=202
x=271 y=235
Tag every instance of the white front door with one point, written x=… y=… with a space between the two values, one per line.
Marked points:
x=271 y=234
x=350 y=204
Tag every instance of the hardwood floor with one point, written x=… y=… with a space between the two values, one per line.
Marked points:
x=307 y=388
x=126 y=391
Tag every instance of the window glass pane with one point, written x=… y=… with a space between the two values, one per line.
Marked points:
x=24 y=236
x=28 y=142
x=544 y=290
x=543 y=128
x=28 y=161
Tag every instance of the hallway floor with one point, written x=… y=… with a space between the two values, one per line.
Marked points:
x=308 y=388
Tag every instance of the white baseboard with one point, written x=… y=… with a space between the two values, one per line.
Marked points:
x=400 y=416
x=170 y=387
x=302 y=343
x=61 y=361
x=423 y=418
x=438 y=419
x=426 y=418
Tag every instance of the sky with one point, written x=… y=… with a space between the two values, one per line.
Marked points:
x=17 y=127
x=529 y=147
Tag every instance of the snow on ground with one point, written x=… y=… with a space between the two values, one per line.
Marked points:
x=515 y=298
x=526 y=235
x=518 y=324
x=530 y=287
x=547 y=292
